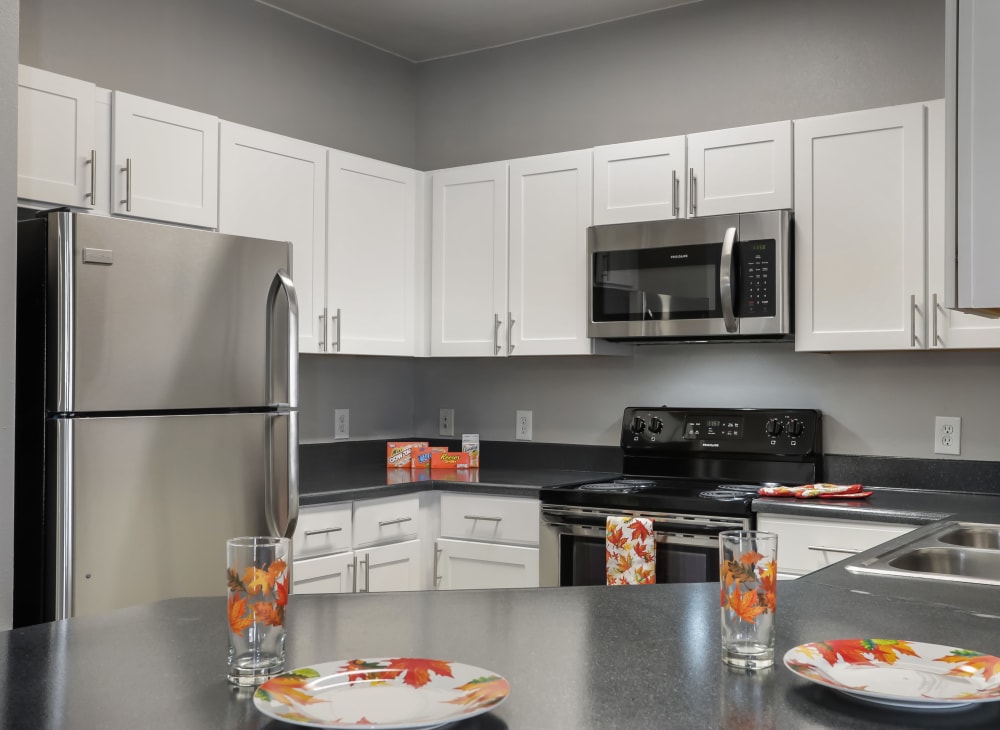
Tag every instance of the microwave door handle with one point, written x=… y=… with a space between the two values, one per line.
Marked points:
x=726 y=280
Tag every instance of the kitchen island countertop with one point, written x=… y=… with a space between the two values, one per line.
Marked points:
x=583 y=658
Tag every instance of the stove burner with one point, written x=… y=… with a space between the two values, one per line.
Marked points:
x=619 y=486
x=724 y=495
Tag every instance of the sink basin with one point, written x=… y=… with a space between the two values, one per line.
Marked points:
x=976 y=536
x=963 y=552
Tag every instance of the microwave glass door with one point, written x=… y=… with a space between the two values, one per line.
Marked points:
x=668 y=283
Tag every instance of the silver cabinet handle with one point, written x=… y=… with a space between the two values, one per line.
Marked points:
x=93 y=177
x=483 y=517
x=353 y=567
x=328 y=530
x=321 y=345
x=368 y=573
x=128 y=184
x=726 y=280
x=510 y=333
x=437 y=560
x=496 y=333
x=935 y=337
x=913 y=320
x=826 y=549
x=692 y=195
x=336 y=342
x=365 y=568
x=396 y=521
x=675 y=198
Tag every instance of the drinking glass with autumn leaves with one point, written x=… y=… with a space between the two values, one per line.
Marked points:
x=748 y=587
x=257 y=578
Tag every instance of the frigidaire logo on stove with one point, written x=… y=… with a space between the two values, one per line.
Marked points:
x=678 y=255
x=708 y=445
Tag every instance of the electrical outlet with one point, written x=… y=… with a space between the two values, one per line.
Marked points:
x=522 y=428
x=446 y=422
x=341 y=423
x=947 y=435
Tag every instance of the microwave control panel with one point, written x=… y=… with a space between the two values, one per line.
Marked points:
x=756 y=279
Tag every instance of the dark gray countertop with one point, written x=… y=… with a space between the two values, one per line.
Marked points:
x=589 y=658
x=905 y=506
x=370 y=482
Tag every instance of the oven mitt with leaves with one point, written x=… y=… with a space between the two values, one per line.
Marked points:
x=829 y=491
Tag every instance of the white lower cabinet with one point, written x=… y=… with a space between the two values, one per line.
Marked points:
x=466 y=564
x=324 y=574
x=395 y=567
x=808 y=544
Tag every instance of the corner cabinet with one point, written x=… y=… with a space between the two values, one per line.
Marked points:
x=275 y=187
x=469 y=261
x=165 y=162
x=57 y=156
x=371 y=255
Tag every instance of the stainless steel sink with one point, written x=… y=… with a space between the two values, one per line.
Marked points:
x=963 y=552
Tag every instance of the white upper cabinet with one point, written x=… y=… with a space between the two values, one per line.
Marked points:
x=469 y=261
x=550 y=210
x=166 y=162
x=275 y=187
x=948 y=328
x=640 y=181
x=740 y=170
x=57 y=159
x=371 y=254
x=859 y=230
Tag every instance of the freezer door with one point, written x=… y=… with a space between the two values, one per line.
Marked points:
x=143 y=316
x=146 y=504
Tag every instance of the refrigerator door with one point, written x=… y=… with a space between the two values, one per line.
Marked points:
x=144 y=505
x=148 y=317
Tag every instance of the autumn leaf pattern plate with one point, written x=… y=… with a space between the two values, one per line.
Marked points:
x=904 y=674
x=389 y=694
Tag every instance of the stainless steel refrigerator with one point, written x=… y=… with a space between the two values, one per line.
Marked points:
x=156 y=412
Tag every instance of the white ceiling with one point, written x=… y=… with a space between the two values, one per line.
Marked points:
x=422 y=30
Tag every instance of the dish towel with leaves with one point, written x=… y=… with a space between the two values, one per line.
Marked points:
x=630 y=551
x=828 y=491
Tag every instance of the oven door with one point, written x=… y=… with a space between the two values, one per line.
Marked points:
x=573 y=545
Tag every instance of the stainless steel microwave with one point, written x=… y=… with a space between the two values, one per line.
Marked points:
x=718 y=277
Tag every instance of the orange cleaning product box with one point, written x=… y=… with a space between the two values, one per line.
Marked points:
x=399 y=453
x=449 y=460
x=420 y=456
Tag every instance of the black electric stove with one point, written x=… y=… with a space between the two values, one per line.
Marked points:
x=703 y=461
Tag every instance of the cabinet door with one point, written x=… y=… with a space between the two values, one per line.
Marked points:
x=640 y=181
x=325 y=574
x=101 y=199
x=395 y=567
x=948 y=328
x=463 y=564
x=550 y=210
x=371 y=270
x=740 y=170
x=56 y=151
x=859 y=230
x=275 y=187
x=469 y=261
x=166 y=162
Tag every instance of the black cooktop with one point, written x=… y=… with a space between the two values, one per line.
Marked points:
x=657 y=495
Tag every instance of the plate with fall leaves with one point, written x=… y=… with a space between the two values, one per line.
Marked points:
x=905 y=674
x=390 y=693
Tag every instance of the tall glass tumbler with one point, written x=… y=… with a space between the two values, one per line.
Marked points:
x=748 y=577
x=257 y=575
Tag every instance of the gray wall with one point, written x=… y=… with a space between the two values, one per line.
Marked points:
x=708 y=65
x=237 y=59
x=8 y=196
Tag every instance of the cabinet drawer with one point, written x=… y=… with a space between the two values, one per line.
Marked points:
x=805 y=545
x=322 y=531
x=386 y=520
x=496 y=519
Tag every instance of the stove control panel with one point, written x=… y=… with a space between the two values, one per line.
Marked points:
x=663 y=430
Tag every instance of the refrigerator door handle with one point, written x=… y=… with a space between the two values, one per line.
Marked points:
x=281 y=517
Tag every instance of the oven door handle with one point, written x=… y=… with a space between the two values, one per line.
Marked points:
x=661 y=530
x=726 y=280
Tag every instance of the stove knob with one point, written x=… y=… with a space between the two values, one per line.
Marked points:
x=638 y=425
x=794 y=428
x=655 y=425
x=773 y=427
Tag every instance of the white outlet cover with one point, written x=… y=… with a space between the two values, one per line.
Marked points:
x=446 y=422
x=522 y=426
x=947 y=435
x=341 y=423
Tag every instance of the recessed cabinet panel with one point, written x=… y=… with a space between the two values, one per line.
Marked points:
x=55 y=139
x=275 y=187
x=325 y=574
x=859 y=230
x=464 y=564
x=639 y=181
x=395 y=567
